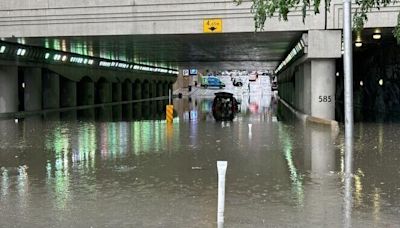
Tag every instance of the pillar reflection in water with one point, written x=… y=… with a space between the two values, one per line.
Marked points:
x=295 y=177
x=323 y=166
x=58 y=167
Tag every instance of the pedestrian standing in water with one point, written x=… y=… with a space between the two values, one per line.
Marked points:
x=248 y=85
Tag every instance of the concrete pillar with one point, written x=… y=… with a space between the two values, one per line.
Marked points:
x=86 y=96
x=51 y=90
x=138 y=91
x=127 y=96
x=323 y=84
x=33 y=89
x=165 y=85
x=8 y=89
x=137 y=107
x=145 y=95
x=117 y=97
x=324 y=46
x=145 y=90
x=307 y=88
x=104 y=95
x=68 y=93
x=160 y=90
x=103 y=92
x=68 y=98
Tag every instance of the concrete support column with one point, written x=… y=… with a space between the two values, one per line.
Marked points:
x=165 y=88
x=117 y=97
x=104 y=95
x=86 y=96
x=68 y=98
x=68 y=93
x=145 y=90
x=138 y=91
x=127 y=96
x=33 y=89
x=103 y=92
x=8 y=89
x=324 y=46
x=323 y=86
x=137 y=107
x=160 y=90
x=302 y=88
x=51 y=90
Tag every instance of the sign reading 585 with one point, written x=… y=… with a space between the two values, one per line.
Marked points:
x=212 y=25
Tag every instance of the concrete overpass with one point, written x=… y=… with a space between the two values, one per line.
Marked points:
x=170 y=34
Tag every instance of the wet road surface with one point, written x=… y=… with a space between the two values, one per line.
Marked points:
x=145 y=173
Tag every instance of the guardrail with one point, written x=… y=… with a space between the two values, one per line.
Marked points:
x=23 y=114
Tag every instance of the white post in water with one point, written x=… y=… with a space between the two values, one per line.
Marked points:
x=221 y=166
x=250 y=130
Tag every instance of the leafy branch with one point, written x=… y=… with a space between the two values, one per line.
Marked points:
x=263 y=9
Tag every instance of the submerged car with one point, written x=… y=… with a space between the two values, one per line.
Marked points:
x=225 y=106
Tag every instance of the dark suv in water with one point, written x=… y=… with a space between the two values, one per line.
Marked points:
x=225 y=106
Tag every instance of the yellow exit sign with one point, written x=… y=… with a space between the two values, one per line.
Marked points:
x=212 y=25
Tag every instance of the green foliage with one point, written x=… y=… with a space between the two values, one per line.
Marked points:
x=263 y=9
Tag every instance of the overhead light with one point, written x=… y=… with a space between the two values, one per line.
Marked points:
x=377 y=34
x=2 y=49
x=358 y=42
x=361 y=83
x=380 y=82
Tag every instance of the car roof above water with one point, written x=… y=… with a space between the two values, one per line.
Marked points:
x=223 y=95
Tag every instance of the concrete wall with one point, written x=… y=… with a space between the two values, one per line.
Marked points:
x=22 y=18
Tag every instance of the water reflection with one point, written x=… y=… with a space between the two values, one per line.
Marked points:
x=145 y=172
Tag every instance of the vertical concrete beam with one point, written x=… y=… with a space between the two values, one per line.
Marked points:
x=138 y=91
x=137 y=107
x=103 y=92
x=127 y=96
x=160 y=90
x=86 y=93
x=165 y=85
x=51 y=90
x=8 y=89
x=104 y=95
x=86 y=96
x=307 y=88
x=33 y=89
x=323 y=84
x=68 y=98
x=145 y=90
x=68 y=93
x=116 y=92
x=117 y=97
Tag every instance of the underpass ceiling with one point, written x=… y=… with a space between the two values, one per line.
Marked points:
x=226 y=50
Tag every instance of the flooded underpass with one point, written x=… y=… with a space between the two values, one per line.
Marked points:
x=142 y=172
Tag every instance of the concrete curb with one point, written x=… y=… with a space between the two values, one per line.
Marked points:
x=312 y=119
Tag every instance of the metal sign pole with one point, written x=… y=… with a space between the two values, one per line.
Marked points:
x=348 y=83
x=348 y=106
x=169 y=96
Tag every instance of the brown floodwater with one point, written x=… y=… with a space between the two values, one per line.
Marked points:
x=72 y=172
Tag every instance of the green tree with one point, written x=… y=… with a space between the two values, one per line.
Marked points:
x=263 y=9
